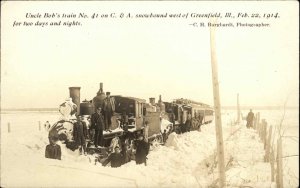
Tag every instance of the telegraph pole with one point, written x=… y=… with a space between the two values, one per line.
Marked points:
x=217 y=108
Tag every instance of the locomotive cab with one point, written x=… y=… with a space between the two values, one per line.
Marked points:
x=133 y=108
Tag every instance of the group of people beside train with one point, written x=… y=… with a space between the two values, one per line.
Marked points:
x=121 y=150
x=125 y=150
x=187 y=124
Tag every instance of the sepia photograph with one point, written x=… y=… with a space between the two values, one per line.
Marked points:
x=149 y=94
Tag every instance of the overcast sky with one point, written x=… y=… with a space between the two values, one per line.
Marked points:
x=148 y=57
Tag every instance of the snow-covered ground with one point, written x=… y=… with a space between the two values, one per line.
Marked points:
x=186 y=160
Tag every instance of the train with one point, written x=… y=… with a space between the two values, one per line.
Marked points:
x=200 y=113
x=148 y=118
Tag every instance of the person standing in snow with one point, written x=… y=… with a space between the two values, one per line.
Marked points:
x=188 y=122
x=146 y=131
x=97 y=123
x=142 y=150
x=164 y=136
x=115 y=159
x=250 y=118
x=132 y=150
x=182 y=121
x=53 y=133
x=126 y=151
x=124 y=122
x=108 y=109
x=53 y=150
x=172 y=118
x=80 y=134
x=91 y=131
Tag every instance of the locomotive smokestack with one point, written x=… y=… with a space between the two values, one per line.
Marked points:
x=161 y=105
x=100 y=89
x=75 y=95
x=101 y=86
x=152 y=101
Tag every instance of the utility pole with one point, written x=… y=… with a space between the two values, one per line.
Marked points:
x=238 y=111
x=217 y=108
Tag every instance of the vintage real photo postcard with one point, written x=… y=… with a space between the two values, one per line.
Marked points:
x=149 y=94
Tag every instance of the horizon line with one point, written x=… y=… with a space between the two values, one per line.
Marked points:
x=228 y=107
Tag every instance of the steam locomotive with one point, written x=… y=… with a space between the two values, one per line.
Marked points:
x=144 y=118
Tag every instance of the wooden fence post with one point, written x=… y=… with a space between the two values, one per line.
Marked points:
x=279 y=177
x=39 y=125
x=8 y=127
x=265 y=135
x=261 y=131
x=255 y=122
x=260 y=128
x=257 y=127
x=258 y=120
x=272 y=158
x=268 y=146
